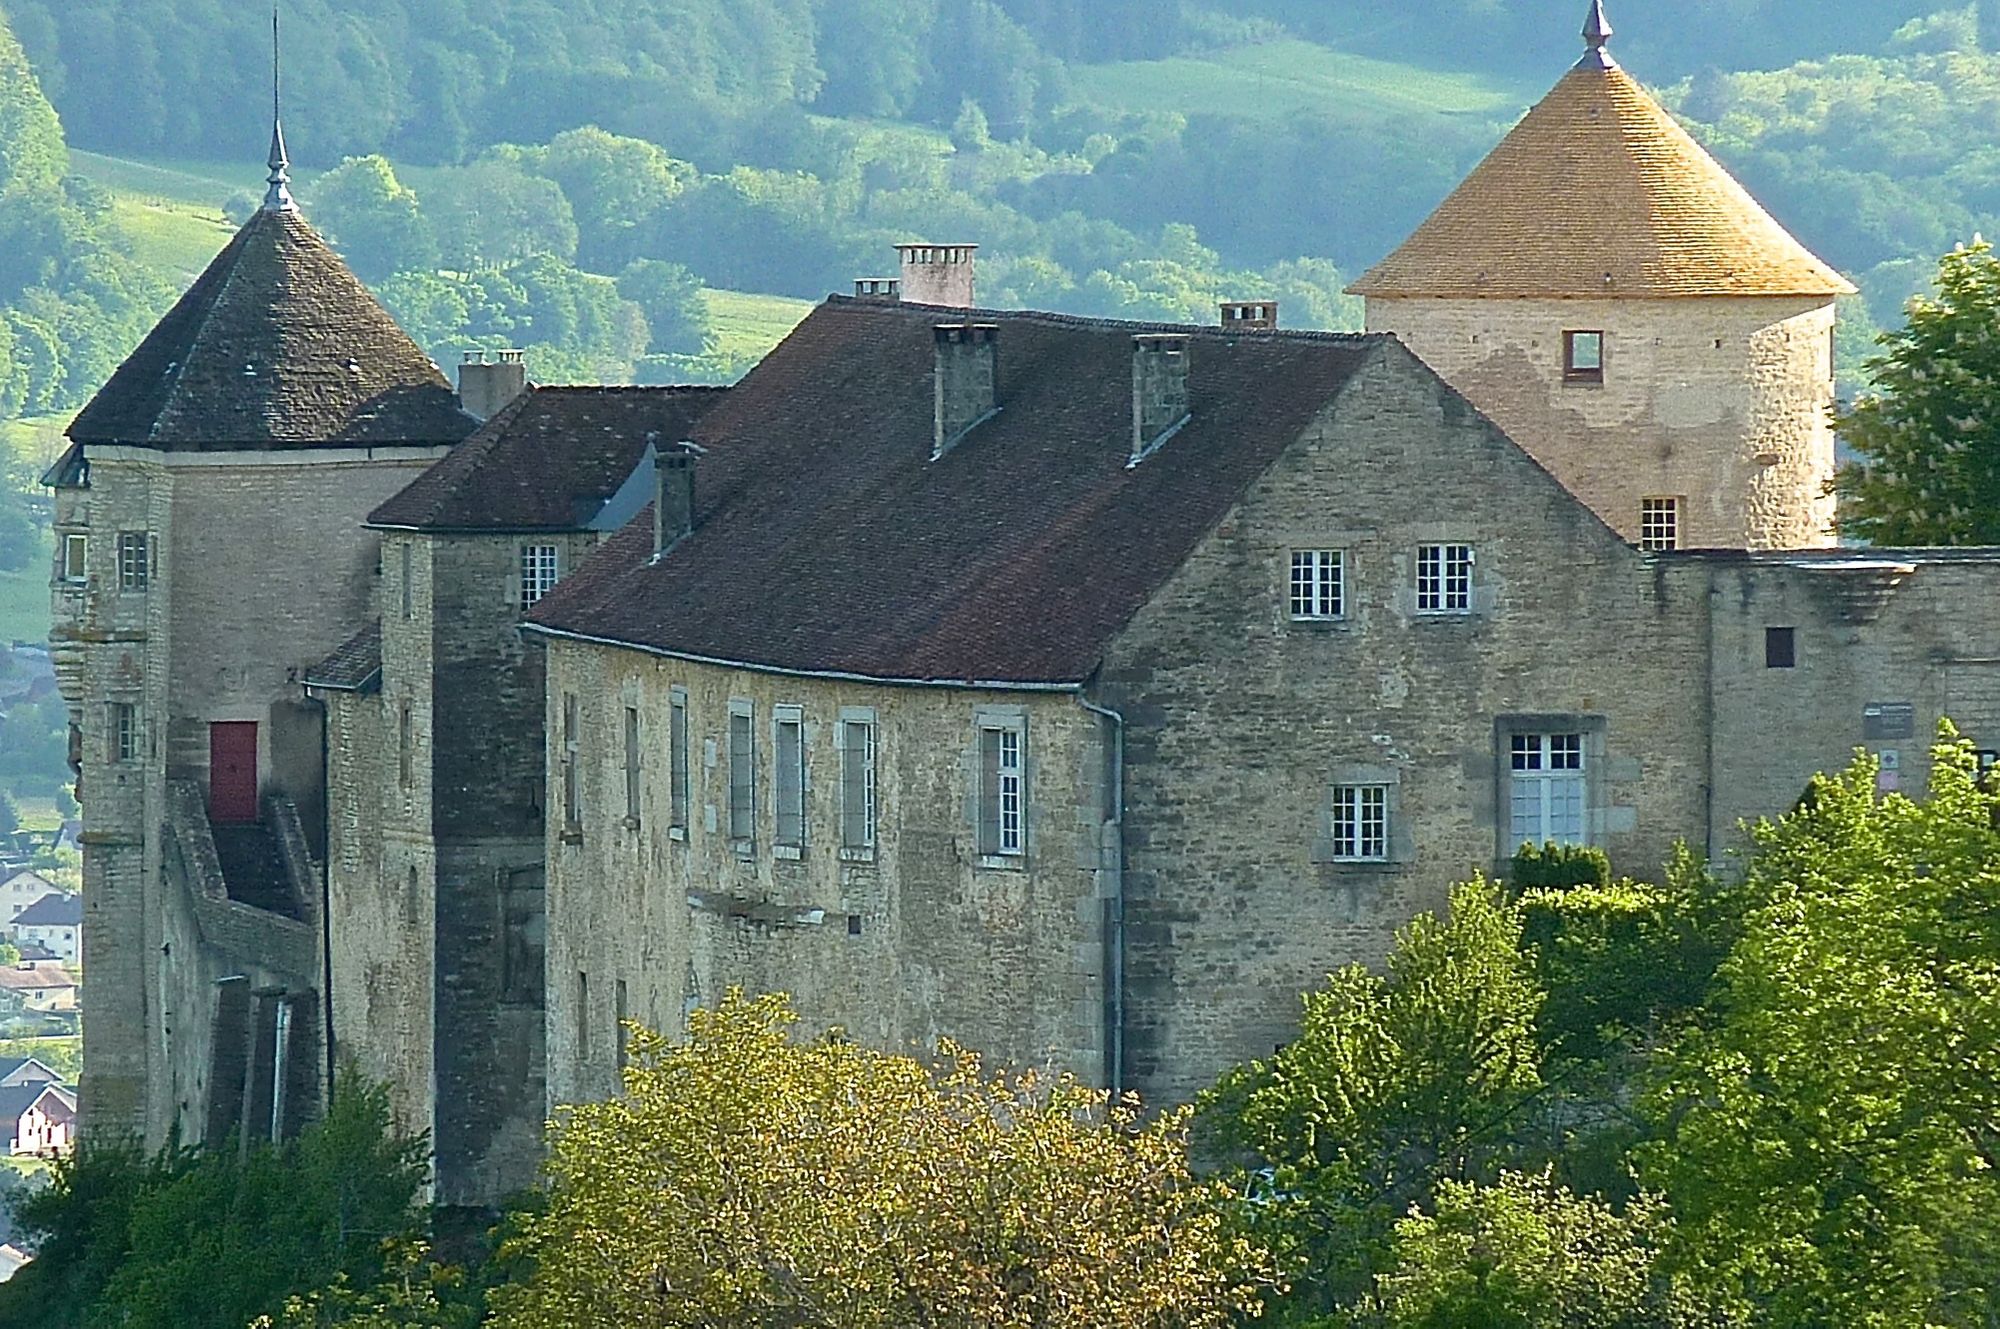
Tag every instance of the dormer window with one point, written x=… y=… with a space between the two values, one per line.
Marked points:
x=1583 y=357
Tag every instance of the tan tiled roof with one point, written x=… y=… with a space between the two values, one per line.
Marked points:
x=1597 y=191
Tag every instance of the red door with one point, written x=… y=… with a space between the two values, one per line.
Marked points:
x=232 y=772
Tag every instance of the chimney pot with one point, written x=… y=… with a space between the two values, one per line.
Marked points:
x=938 y=274
x=1159 y=390
x=965 y=380
x=1250 y=315
x=484 y=387
x=886 y=289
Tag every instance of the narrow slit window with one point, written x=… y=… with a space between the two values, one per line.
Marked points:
x=633 y=788
x=1360 y=830
x=1444 y=579
x=409 y=600
x=124 y=731
x=789 y=761
x=406 y=744
x=677 y=756
x=1319 y=585
x=1583 y=357
x=572 y=777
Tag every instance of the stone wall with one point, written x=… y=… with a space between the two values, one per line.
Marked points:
x=901 y=948
x=1721 y=402
x=1240 y=720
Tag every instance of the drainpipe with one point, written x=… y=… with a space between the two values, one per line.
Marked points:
x=1114 y=909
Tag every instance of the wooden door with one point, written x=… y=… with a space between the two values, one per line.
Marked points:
x=232 y=772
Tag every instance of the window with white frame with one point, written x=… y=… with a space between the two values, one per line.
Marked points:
x=75 y=565
x=857 y=784
x=742 y=773
x=1002 y=789
x=539 y=567
x=1360 y=829
x=124 y=731
x=1659 y=523
x=135 y=562
x=1444 y=579
x=677 y=758
x=572 y=775
x=1547 y=795
x=788 y=752
x=1319 y=584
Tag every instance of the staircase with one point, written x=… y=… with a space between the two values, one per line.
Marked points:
x=253 y=868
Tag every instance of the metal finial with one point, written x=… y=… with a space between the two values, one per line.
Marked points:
x=1597 y=32
x=278 y=198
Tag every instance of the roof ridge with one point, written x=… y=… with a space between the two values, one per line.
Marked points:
x=1056 y=319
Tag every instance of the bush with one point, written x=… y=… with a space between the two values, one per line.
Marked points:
x=1558 y=867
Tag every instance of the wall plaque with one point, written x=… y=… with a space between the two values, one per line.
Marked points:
x=1888 y=719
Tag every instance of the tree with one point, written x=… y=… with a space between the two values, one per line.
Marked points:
x=1830 y=1139
x=1394 y=1084
x=670 y=296
x=746 y=1179
x=33 y=159
x=10 y=818
x=616 y=187
x=373 y=219
x=1928 y=437
x=1525 y=1253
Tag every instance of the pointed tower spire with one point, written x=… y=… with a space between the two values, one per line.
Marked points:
x=278 y=198
x=1597 y=32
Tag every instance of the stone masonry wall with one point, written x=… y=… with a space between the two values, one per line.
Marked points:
x=918 y=944
x=1240 y=720
x=1721 y=402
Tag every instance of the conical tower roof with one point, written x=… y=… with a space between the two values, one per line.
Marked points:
x=1598 y=192
x=276 y=345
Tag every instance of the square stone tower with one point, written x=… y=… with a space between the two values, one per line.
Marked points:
x=1623 y=308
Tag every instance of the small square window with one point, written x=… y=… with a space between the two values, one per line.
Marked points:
x=1361 y=823
x=135 y=563
x=1583 y=357
x=1781 y=648
x=539 y=566
x=1659 y=523
x=1319 y=585
x=75 y=558
x=1444 y=579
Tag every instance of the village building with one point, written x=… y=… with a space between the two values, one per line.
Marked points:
x=53 y=923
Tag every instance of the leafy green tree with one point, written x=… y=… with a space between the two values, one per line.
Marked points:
x=1396 y=1083
x=616 y=186
x=10 y=816
x=1526 y=1253
x=414 y=1292
x=670 y=296
x=494 y=212
x=1928 y=436
x=747 y=1179
x=33 y=159
x=1831 y=1140
x=374 y=219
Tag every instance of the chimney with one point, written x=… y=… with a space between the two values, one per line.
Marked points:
x=673 y=506
x=885 y=289
x=1159 y=389
x=485 y=386
x=966 y=380
x=1250 y=315
x=938 y=274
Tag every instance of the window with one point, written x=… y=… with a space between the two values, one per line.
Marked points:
x=1781 y=648
x=1361 y=823
x=582 y=1017
x=403 y=553
x=1002 y=818
x=857 y=784
x=1546 y=794
x=742 y=774
x=124 y=731
x=1659 y=523
x=406 y=741
x=538 y=573
x=677 y=758
x=623 y=1011
x=632 y=765
x=571 y=776
x=1319 y=584
x=1444 y=579
x=135 y=563
x=75 y=557
x=789 y=774
x=1583 y=357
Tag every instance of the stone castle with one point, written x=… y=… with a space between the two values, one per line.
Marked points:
x=1080 y=690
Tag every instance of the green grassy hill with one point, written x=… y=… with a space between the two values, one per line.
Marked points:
x=1276 y=80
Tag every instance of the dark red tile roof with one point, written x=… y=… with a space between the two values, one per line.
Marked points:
x=355 y=667
x=276 y=345
x=828 y=541
x=548 y=460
